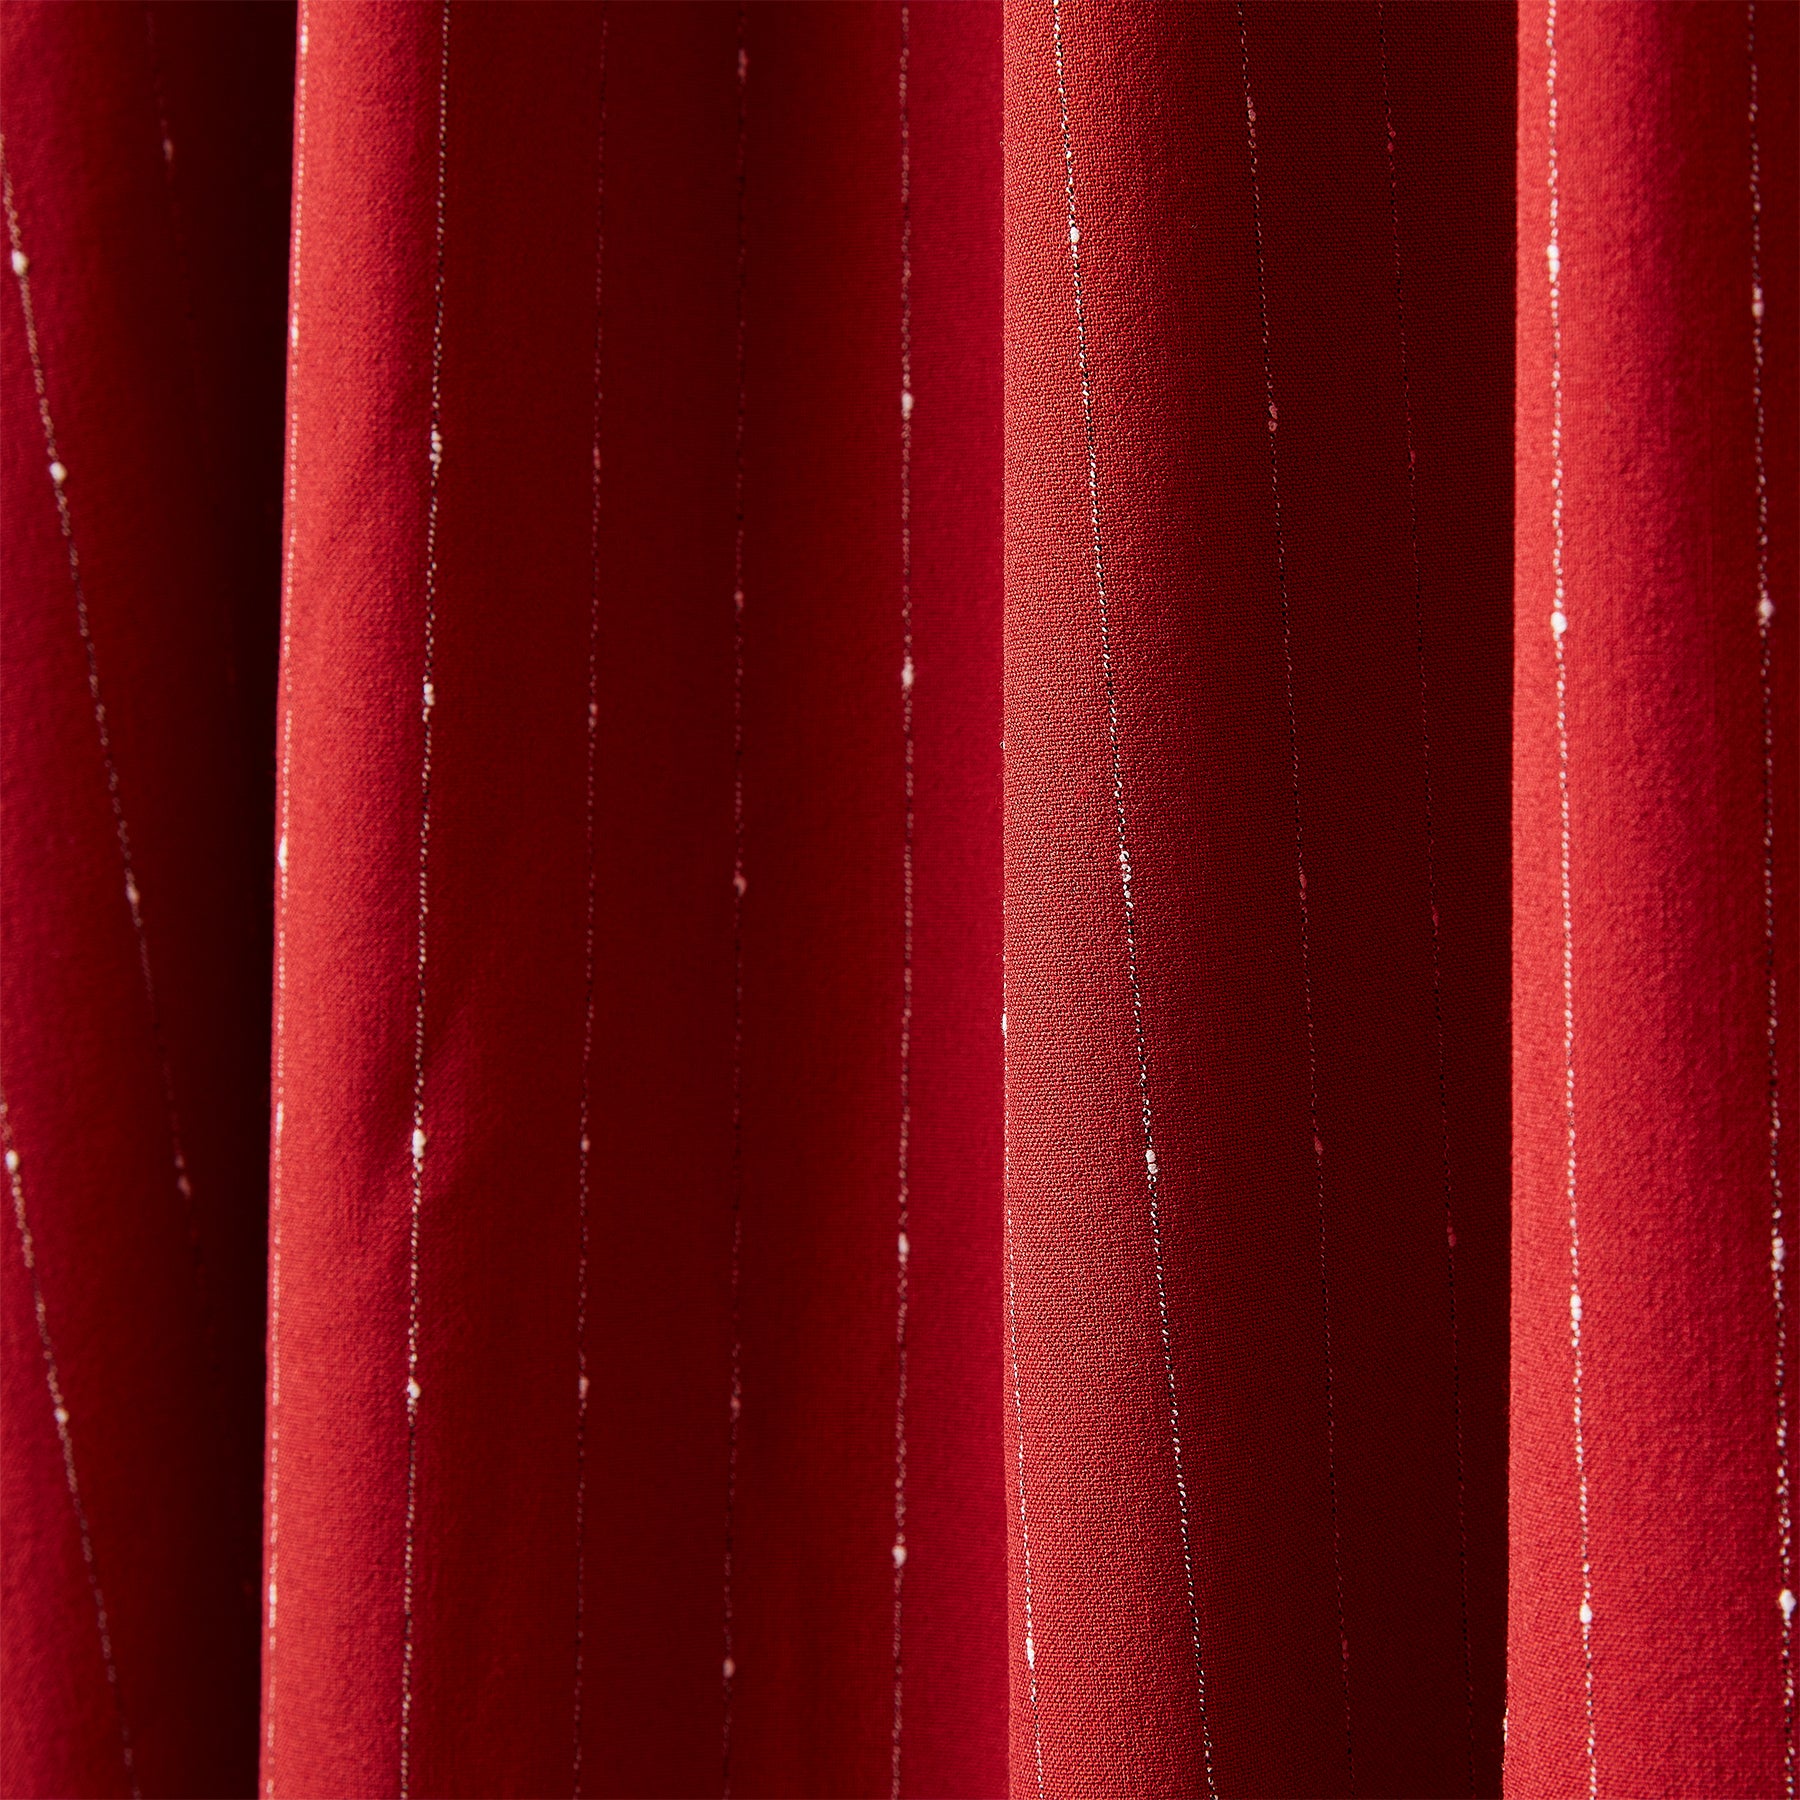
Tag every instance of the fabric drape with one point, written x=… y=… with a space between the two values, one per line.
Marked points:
x=898 y=898
x=1654 y=930
x=1259 y=377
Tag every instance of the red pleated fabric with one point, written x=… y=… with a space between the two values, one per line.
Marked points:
x=942 y=939
x=144 y=165
x=1258 y=508
x=637 y=1020
x=1655 y=925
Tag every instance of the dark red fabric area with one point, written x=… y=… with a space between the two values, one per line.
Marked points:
x=923 y=918
x=1665 y=1229
x=1262 y=1479
x=823 y=804
x=145 y=156
x=531 y=1643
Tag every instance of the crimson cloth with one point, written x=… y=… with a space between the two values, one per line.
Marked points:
x=899 y=898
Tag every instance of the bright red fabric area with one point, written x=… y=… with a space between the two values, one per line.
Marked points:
x=832 y=971
x=1342 y=1628
x=494 y=1541
x=1666 y=926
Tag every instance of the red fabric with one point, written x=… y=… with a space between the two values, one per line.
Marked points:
x=784 y=516
x=494 y=1529
x=155 y=282
x=1666 y=922
x=1294 y=1538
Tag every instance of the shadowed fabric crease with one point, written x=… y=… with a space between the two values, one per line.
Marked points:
x=899 y=898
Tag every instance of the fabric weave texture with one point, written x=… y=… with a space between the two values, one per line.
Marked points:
x=899 y=898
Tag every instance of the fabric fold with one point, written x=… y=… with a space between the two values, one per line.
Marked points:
x=919 y=917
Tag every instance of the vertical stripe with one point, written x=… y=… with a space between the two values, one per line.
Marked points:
x=1127 y=892
x=587 y=1017
x=738 y=885
x=903 y=1247
x=1312 y=1051
x=282 y=862
x=1765 y=620
x=134 y=899
x=1559 y=625
x=65 y=1434
x=1012 y=1326
x=427 y=706
x=1431 y=885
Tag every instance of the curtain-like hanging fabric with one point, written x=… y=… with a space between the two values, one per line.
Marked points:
x=899 y=898
x=143 y=167
x=637 y=949
x=1259 y=502
x=1656 y=918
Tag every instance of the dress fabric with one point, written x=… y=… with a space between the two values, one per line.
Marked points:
x=899 y=898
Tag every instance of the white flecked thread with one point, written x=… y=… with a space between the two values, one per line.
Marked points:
x=735 y=1407
x=134 y=898
x=428 y=706
x=1306 y=991
x=1431 y=886
x=903 y=1248
x=1127 y=889
x=278 y=1134
x=583 y=1147
x=1012 y=1328
x=1559 y=627
x=65 y=1433
x=1765 y=620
